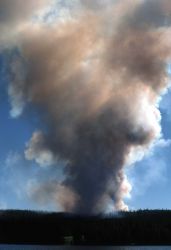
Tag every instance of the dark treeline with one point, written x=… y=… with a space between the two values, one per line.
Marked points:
x=147 y=227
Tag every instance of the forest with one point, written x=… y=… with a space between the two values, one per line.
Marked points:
x=143 y=227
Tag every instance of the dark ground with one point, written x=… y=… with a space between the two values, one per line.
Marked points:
x=144 y=227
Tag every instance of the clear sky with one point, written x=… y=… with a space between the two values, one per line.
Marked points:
x=150 y=177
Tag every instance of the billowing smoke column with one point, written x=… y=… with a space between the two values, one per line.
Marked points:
x=96 y=78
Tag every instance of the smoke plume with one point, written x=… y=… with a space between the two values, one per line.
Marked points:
x=15 y=16
x=97 y=79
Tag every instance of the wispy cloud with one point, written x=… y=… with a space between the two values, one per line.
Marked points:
x=150 y=171
x=12 y=159
x=3 y=204
x=165 y=104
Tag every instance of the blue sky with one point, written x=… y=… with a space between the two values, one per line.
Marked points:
x=16 y=174
x=151 y=177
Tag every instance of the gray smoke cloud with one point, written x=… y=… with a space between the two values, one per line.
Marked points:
x=15 y=16
x=97 y=79
x=17 y=11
